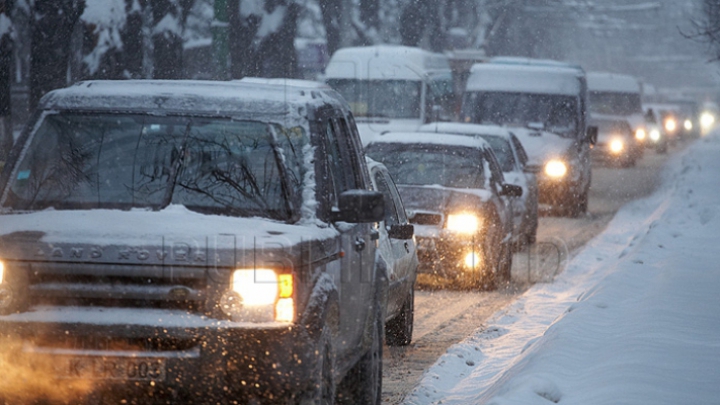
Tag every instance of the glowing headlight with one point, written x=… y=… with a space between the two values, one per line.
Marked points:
x=463 y=223
x=616 y=146
x=688 y=125
x=640 y=134
x=259 y=295
x=555 y=168
x=707 y=120
x=655 y=135
x=670 y=125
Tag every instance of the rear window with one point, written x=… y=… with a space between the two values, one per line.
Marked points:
x=123 y=161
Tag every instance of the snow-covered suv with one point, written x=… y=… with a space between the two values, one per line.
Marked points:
x=172 y=241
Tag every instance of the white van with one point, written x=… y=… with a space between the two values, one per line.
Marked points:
x=392 y=88
x=621 y=96
x=544 y=103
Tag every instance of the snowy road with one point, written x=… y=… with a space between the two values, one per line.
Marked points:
x=443 y=318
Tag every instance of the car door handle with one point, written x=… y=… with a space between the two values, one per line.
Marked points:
x=359 y=244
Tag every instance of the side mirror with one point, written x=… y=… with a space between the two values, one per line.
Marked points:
x=532 y=169
x=592 y=135
x=511 y=190
x=404 y=231
x=358 y=206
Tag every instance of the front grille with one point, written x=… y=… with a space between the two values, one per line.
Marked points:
x=117 y=285
x=149 y=344
x=424 y=218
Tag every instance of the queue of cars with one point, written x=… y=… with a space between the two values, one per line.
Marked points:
x=250 y=241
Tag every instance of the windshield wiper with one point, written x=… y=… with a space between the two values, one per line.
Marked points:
x=175 y=168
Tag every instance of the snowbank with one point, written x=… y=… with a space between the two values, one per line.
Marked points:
x=633 y=319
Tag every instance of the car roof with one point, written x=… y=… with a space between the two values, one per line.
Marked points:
x=612 y=82
x=272 y=101
x=384 y=62
x=430 y=138
x=461 y=128
x=538 y=79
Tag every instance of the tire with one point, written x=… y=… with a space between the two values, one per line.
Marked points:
x=363 y=383
x=398 y=331
x=323 y=388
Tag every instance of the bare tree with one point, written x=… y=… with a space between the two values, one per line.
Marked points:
x=6 y=45
x=706 y=28
x=52 y=29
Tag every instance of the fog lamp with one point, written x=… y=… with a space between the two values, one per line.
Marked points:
x=473 y=260
x=259 y=295
x=688 y=125
x=616 y=146
x=555 y=168
x=655 y=135
x=463 y=223
x=640 y=134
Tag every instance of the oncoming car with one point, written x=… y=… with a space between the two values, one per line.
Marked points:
x=615 y=143
x=513 y=161
x=453 y=190
x=190 y=241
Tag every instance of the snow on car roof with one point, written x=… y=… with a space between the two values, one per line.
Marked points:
x=612 y=82
x=384 y=62
x=428 y=138
x=515 y=60
x=524 y=79
x=465 y=129
x=187 y=96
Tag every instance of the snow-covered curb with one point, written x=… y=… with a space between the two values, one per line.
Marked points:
x=540 y=348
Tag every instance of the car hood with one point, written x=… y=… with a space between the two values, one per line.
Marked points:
x=174 y=235
x=542 y=146
x=442 y=199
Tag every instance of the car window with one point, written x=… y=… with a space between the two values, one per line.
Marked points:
x=391 y=211
x=520 y=150
x=496 y=174
x=503 y=151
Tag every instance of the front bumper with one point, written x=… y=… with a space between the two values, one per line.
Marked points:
x=448 y=254
x=189 y=358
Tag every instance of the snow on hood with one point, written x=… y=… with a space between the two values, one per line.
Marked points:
x=466 y=129
x=542 y=146
x=372 y=129
x=139 y=227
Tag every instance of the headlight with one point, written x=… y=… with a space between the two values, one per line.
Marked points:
x=688 y=125
x=463 y=223
x=616 y=146
x=640 y=134
x=707 y=120
x=555 y=168
x=259 y=295
x=655 y=135
x=670 y=125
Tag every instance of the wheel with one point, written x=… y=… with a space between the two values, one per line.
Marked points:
x=323 y=387
x=398 y=331
x=363 y=383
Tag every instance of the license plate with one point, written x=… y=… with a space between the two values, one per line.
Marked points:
x=111 y=368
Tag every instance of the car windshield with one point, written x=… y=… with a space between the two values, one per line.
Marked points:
x=424 y=165
x=380 y=98
x=210 y=165
x=612 y=103
x=557 y=113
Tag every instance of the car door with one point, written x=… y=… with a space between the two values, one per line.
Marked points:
x=343 y=172
x=504 y=203
x=531 y=200
x=398 y=253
